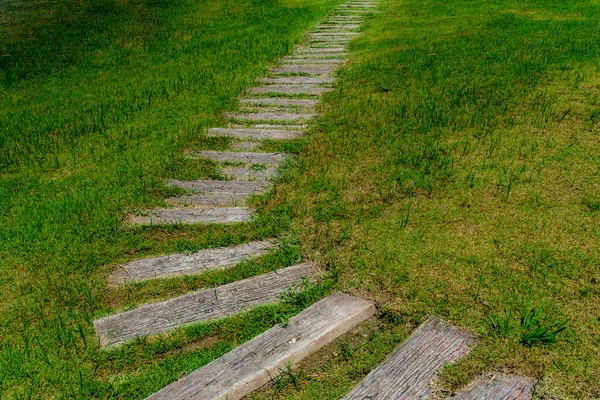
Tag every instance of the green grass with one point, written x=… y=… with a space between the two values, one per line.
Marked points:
x=98 y=101
x=455 y=171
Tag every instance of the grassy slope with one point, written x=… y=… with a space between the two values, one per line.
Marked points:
x=98 y=102
x=457 y=171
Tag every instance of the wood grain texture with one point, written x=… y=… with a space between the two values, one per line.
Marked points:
x=498 y=387
x=252 y=364
x=199 y=306
x=217 y=215
x=290 y=90
x=224 y=187
x=248 y=173
x=240 y=156
x=209 y=200
x=189 y=264
x=299 y=80
x=407 y=373
x=266 y=116
x=311 y=61
x=280 y=101
x=255 y=133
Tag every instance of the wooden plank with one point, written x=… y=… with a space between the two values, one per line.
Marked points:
x=203 y=305
x=255 y=133
x=321 y=50
x=223 y=187
x=280 y=101
x=248 y=173
x=189 y=264
x=209 y=200
x=301 y=69
x=251 y=365
x=291 y=90
x=242 y=156
x=299 y=80
x=407 y=373
x=337 y=27
x=313 y=61
x=169 y=216
x=498 y=387
x=266 y=116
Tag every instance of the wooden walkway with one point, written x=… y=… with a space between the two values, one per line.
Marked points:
x=279 y=108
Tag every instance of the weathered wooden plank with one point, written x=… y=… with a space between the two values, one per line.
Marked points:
x=321 y=50
x=248 y=173
x=280 y=101
x=258 y=134
x=299 y=80
x=308 y=61
x=189 y=264
x=407 y=373
x=217 y=215
x=336 y=34
x=242 y=156
x=498 y=387
x=252 y=364
x=222 y=187
x=302 y=69
x=337 y=27
x=209 y=200
x=304 y=89
x=203 y=305
x=266 y=116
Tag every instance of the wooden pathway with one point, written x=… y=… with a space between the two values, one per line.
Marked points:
x=279 y=108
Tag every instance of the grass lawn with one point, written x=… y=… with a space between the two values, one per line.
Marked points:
x=455 y=171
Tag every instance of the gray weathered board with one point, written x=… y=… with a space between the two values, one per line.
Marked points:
x=301 y=69
x=408 y=372
x=252 y=364
x=219 y=215
x=245 y=157
x=291 y=90
x=298 y=80
x=223 y=187
x=249 y=173
x=311 y=61
x=203 y=305
x=255 y=133
x=209 y=200
x=281 y=101
x=498 y=387
x=266 y=116
x=189 y=264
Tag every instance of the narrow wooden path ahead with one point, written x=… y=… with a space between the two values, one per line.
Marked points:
x=278 y=109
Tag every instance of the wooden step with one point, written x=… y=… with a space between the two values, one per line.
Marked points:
x=249 y=172
x=313 y=61
x=291 y=90
x=281 y=101
x=222 y=187
x=208 y=200
x=266 y=116
x=498 y=387
x=189 y=264
x=302 y=69
x=242 y=156
x=299 y=80
x=321 y=50
x=170 y=216
x=408 y=372
x=251 y=365
x=258 y=134
x=203 y=305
